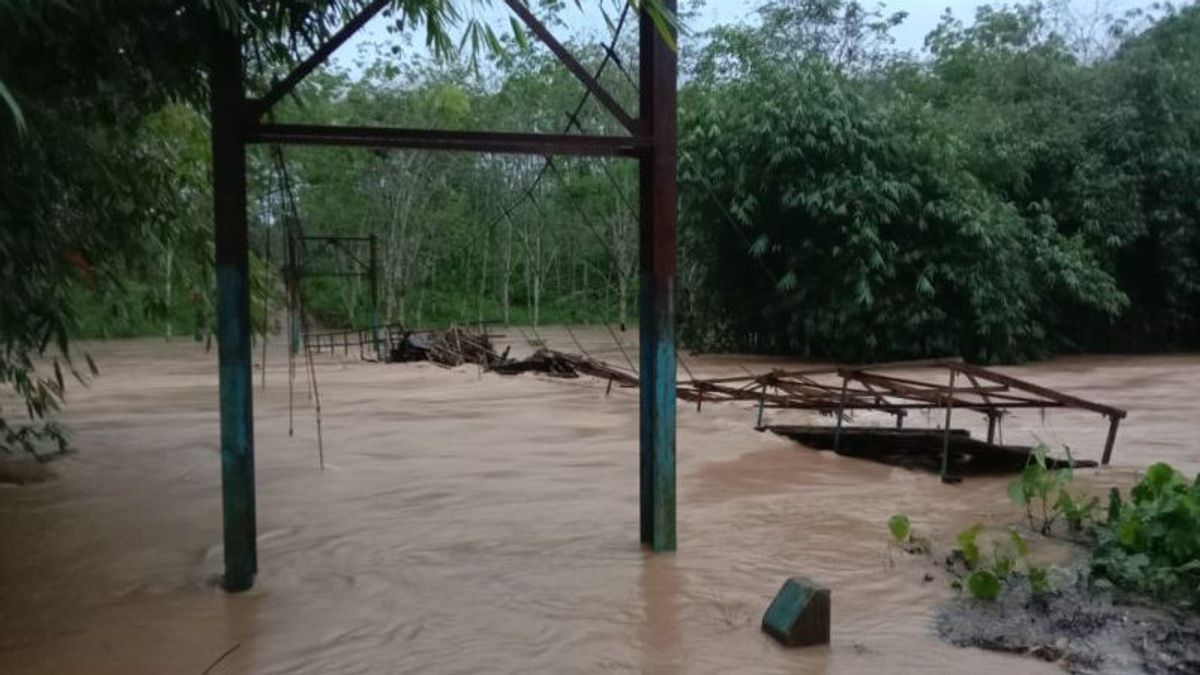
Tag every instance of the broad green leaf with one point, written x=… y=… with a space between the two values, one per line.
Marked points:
x=968 y=544
x=1019 y=543
x=983 y=585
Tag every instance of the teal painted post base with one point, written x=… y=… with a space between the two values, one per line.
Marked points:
x=799 y=616
x=237 y=427
x=657 y=433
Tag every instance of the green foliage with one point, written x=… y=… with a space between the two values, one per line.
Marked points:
x=904 y=537
x=1004 y=200
x=983 y=585
x=985 y=575
x=1044 y=490
x=900 y=528
x=1039 y=580
x=1077 y=512
x=968 y=544
x=1151 y=544
x=1039 y=485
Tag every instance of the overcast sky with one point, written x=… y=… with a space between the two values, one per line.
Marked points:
x=587 y=22
x=923 y=15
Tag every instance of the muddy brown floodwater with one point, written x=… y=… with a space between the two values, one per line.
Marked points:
x=475 y=523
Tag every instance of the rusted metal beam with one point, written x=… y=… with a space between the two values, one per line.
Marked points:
x=568 y=59
x=808 y=404
x=1066 y=399
x=833 y=369
x=456 y=141
x=863 y=373
x=935 y=394
x=256 y=108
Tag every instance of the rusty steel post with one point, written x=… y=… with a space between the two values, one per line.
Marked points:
x=658 y=206
x=946 y=430
x=373 y=282
x=1113 y=422
x=991 y=428
x=293 y=280
x=841 y=413
x=233 y=308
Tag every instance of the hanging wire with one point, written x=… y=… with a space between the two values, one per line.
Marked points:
x=292 y=219
x=527 y=191
x=266 y=306
x=574 y=339
x=731 y=221
x=621 y=346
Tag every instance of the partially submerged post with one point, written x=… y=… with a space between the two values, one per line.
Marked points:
x=1114 y=420
x=799 y=616
x=946 y=477
x=841 y=411
x=762 y=405
x=658 y=205
x=233 y=311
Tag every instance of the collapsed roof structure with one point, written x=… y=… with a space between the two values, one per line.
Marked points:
x=897 y=389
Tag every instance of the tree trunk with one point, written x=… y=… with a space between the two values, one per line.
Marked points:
x=167 y=300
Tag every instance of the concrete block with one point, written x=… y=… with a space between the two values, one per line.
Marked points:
x=799 y=616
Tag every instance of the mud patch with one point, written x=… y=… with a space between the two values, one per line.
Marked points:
x=1087 y=633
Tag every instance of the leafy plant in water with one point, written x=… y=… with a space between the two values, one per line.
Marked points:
x=1039 y=485
x=1076 y=512
x=1044 y=489
x=968 y=544
x=903 y=536
x=983 y=585
x=985 y=575
x=1151 y=543
x=900 y=527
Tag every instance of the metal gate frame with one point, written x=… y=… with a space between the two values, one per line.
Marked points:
x=237 y=121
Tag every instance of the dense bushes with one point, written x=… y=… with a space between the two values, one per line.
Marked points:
x=1151 y=543
x=1001 y=202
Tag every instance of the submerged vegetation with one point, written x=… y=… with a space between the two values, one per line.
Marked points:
x=1019 y=187
x=1146 y=545
x=1128 y=600
x=1150 y=543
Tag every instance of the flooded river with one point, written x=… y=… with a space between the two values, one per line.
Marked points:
x=474 y=523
